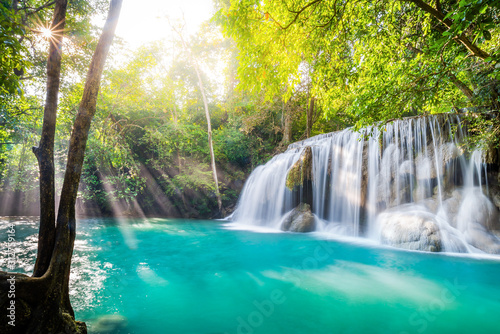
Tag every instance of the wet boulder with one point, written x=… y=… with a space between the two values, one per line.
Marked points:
x=476 y=208
x=299 y=219
x=476 y=218
x=430 y=204
x=410 y=228
x=479 y=237
x=496 y=199
x=449 y=210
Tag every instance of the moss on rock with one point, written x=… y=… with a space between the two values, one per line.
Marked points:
x=301 y=171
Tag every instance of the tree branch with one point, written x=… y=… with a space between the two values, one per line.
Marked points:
x=36 y=10
x=297 y=14
x=438 y=6
x=474 y=49
x=15 y=4
x=414 y=49
x=462 y=86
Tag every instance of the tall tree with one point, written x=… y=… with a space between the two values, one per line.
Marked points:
x=207 y=115
x=45 y=150
x=309 y=117
x=42 y=301
x=287 y=123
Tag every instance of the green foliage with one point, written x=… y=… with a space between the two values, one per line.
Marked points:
x=150 y=127
x=476 y=18
x=12 y=66
x=484 y=130
x=232 y=145
x=12 y=62
x=19 y=119
x=197 y=177
x=369 y=61
x=110 y=168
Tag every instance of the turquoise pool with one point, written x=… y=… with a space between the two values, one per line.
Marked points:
x=206 y=277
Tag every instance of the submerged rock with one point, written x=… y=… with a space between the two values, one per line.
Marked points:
x=299 y=219
x=411 y=229
x=109 y=323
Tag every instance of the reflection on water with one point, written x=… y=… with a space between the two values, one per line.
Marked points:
x=206 y=277
x=85 y=266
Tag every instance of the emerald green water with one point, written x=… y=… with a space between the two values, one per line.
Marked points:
x=174 y=276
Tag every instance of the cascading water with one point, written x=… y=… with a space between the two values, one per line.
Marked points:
x=337 y=164
x=265 y=196
x=407 y=184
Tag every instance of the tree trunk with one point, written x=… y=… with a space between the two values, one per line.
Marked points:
x=15 y=4
x=66 y=223
x=45 y=151
x=287 y=127
x=42 y=303
x=310 y=113
x=210 y=144
x=209 y=125
x=495 y=101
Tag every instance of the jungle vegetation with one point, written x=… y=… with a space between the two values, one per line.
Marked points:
x=156 y=132
x=285 y=70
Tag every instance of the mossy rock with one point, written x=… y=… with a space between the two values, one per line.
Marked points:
x=301 y=171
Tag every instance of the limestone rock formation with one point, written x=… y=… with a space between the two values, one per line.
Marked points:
x=410 y=229
x=479 y=237
x=450 y=209
x=430 y=163
x=476 y=208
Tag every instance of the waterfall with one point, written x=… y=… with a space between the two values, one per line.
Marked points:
x=408 y=184
x=265 y=198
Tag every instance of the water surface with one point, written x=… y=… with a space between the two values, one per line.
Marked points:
x=183 y=276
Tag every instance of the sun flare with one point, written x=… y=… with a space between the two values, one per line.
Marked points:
x=46 y=33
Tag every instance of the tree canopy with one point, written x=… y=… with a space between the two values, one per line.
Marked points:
x=370 y=60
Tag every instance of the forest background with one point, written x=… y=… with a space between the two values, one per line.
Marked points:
x=273 y=73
